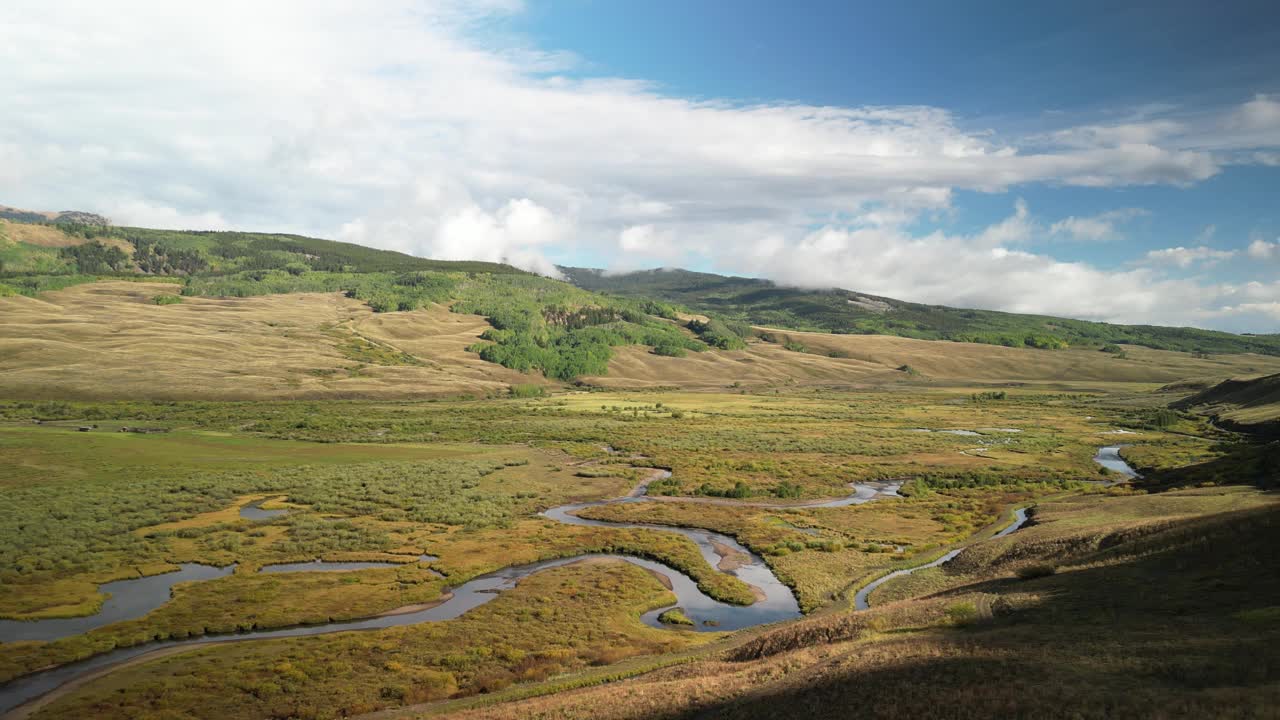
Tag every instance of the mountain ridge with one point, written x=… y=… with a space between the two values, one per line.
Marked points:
x=762 y=302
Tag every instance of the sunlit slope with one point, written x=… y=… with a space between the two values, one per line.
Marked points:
x=109 y=340
x=875 y=359
x=757 y=301
x=1245 y=402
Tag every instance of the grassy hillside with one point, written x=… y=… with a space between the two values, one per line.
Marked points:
x=112 y=339
x=536 y=323
x=535 y=326
x=1247 y=404
x=761 y=302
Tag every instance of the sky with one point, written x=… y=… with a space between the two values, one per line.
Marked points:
x=1102 y=160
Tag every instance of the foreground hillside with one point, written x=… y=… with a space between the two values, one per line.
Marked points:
x=1248 y=404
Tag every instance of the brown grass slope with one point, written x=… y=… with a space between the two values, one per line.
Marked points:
x=1161 y=606
x=1250 y=404
x=51 y=236
x=876 y=359
x=109 y=340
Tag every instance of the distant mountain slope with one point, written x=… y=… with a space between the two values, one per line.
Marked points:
x=66 y=216
x=1251 y=404
x=761 y=302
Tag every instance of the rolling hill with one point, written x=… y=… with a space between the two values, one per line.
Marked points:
x=98 y=311
x=1248 y=404
x=762 y=302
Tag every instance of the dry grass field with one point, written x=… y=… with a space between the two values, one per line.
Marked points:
x=876 y=359
x=50 y=236
x=110 y=340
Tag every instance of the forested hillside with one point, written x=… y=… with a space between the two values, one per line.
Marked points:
x=761 y=302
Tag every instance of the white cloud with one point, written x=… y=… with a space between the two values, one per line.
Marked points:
x=1119 y=135
x=1096 y=227
x=1185 y=257
x=140 y=213
x=1260 y=249
x=966 y=271
x=407 y=125
x=1261 y=114
x=1016 y=228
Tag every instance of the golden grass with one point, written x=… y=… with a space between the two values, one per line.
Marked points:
x=225 y=515
x=109 y=340
x=875 y=359
x=562 y=619
x=1096 y=641
x=51 y=236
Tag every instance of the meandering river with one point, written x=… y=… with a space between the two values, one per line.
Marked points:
x=134 y=598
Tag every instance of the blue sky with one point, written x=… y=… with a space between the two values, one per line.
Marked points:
x=980 y=59
x=1024 y=67
x=1112 y=161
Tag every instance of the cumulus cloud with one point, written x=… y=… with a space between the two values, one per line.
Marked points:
x=967 y=271
x=1260 y=115
x=964 y=270
x=405 y=125
x=1260 y=249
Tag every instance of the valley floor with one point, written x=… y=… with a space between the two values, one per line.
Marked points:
x=1113 y=598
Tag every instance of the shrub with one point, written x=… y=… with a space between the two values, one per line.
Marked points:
x=1163 y=419
x=1045 y=342
x=526 y=390
x=669 y=349
x=393 y=692
x=167 y=299
x=739 y=490
x=717 y=334
x=674 y=617
x=1036 y=570
x=787 y=489
x=962 y=613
